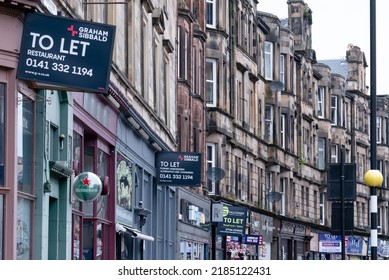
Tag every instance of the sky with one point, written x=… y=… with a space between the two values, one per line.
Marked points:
x=337 y=23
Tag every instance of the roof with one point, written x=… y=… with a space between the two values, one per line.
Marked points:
x=338 y=66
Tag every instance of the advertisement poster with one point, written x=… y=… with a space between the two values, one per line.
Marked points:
x=124 y=184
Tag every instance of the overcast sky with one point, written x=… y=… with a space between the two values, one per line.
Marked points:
x=336 y=23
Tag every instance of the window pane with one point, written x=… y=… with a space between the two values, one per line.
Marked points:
x=25 y=145
x=1 y=227
x=87 y=241
x=2 y=136
x=76 y=237
x=23 y=229
x=102 y=171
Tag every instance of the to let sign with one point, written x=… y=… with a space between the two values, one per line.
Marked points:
x=69 y=53
x=178 y=169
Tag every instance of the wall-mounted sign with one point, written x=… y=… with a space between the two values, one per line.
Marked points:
x=69 y=53
x=234 y=221
x=87 y=187
x=178 y=169
x=329 y=243
x=251 y=239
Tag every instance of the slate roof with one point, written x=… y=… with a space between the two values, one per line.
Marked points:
x=338 y=66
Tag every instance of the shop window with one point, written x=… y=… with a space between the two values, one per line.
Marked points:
x=2 y=135
x=25 y=144
x=190 y=250
x=91 y=219
x=23 y=229
x=1 y=227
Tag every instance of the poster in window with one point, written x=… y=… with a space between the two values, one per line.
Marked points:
x=124 y=182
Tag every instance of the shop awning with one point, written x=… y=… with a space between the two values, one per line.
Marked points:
x=134 y=232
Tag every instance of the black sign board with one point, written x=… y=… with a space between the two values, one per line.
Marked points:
x=334 y=182
x=337 y=214
x=72 y=54
x=234 y=221
x=178 y=169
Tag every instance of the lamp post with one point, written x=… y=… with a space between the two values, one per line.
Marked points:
x=374 y=179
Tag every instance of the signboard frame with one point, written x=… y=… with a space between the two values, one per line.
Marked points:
x=178 y=168
x=65 y=53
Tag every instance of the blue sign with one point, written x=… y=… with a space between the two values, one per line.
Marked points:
x=178 y=169
x=251 y=239
x=69 y=53
x=330 y=244
x=354 y=245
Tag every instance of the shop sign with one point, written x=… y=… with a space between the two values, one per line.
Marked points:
x=87 y=187
x=68 y=53
x=330 y=244
x=354 y=245
x=234 y=221
x=178 y=169
x=252 y=239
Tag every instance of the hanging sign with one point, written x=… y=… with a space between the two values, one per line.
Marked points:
x=178 y=168
x=64 y=52
x=234 y=221
x=87 y=187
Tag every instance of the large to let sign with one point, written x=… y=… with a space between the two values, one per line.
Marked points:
x=72 y=54
x=178 y=169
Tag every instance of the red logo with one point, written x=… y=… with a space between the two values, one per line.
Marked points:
x=86 y=181
x=71 y=29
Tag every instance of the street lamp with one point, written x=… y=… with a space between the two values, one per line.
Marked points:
x=374 y=179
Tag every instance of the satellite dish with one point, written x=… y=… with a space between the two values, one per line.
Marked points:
x=215 y=174
x=274 y=196
x=276 y=85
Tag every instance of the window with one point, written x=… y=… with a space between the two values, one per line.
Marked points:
x=282 y=69
x=269 y=188
x=211 y=82
x=268 y=123
x=282 y=132
x=25 y=144
x=379 y=220
x=322 y=208
x=321 y=159
x=2 y=135
x=282 y=192
x=334 y=110
x=268 y=60
x=379 y=130
x=320 y=102
x=1 y=227
x=334 y=153
x=211 y=163
x=211 y=13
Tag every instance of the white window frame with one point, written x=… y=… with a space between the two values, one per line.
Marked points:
x=321 y=156
x=269 y=123
x=268 y=52
x=322 y=211
x=269 y=188
x=334 y=110
x=379 y=129
x=212 y=81
x=282 y=69
x=334 y=153
x=211 y=163
x=212 y=4
x=320 y=102
x=282 y=192
x=282 y=130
